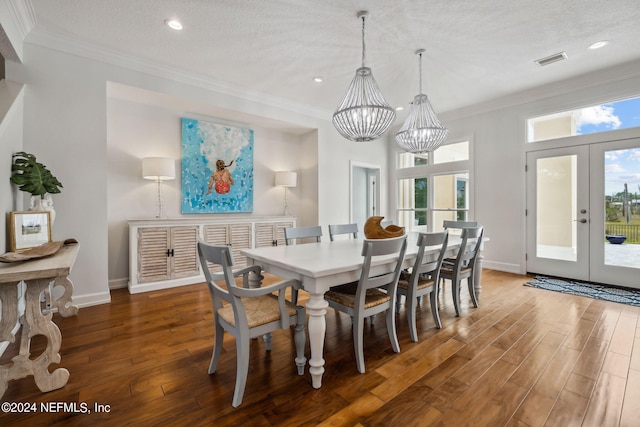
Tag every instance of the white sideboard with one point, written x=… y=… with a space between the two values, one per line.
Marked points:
x=163 y=252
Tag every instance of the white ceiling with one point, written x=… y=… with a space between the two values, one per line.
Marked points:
x=476 y=51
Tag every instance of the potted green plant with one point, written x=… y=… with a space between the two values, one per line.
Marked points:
x=34 y=178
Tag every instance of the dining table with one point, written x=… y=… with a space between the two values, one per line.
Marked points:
x=321 y=265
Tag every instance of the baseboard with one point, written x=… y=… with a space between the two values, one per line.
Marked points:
x=118 y=283
x=92 y=299
x=502 y=266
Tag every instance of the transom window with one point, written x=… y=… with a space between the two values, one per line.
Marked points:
x=582 y=121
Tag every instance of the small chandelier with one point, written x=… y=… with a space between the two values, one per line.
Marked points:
x=422 y=131
x=363 y=114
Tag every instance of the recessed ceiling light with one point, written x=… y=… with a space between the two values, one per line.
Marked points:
x=399 y=108
x=318 y=79
x=174 y=24
x=598 y=45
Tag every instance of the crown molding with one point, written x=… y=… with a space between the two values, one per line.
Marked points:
x=18 y=19
x=24 y=16
x=63 y=43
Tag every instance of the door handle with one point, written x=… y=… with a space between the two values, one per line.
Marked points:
x=582 y=220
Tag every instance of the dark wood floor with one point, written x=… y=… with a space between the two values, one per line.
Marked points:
x=526 y=357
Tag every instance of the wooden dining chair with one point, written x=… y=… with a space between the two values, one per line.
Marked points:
x=364 y=298
x=424 y=279
x=248 y=312
x=456 y=227
x=463 y=266
x=335 y=229
x=292 y=233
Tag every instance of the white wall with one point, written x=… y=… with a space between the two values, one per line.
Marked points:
x=10 y=142
x=499 y=158
x=136 y=130
x=66 y=123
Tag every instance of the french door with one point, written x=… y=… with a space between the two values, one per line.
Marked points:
x=571 y=207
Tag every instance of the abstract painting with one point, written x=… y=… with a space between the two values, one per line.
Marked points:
x=217 y=168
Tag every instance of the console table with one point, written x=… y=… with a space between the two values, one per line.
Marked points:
x=37 y=275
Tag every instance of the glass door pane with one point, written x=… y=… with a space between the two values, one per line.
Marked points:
x=615 y=207
x=622 y=207
x=556 y=203
x=558 y=212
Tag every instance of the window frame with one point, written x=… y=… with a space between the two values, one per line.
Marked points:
x=429 y=171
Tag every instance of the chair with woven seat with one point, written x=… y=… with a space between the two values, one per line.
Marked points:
x=335 y=229
x=424 y=279
x=455 y=227
x=292 y=233
x=248 y=312
x=448 y=224
x=464 y=264
x=365 y=298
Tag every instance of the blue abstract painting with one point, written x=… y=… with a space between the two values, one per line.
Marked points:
x=217 y=168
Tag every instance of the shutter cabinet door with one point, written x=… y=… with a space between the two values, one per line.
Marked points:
x=279 y=233
x=239 y=238
x=184 y=241
x=216 y=235
x=264 y=234
x=153 y=261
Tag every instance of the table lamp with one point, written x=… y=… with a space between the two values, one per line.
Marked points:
x=286 y=179
x=158 y=169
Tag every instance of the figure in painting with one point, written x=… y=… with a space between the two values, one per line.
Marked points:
x=221 y=179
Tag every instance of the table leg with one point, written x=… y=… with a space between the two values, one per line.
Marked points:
x=8 y=320
x=37 y=323
x=317 y=309
x=477 y=275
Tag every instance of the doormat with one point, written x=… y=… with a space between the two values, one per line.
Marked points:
x=590 y=290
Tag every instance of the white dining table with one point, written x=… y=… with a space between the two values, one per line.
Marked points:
x=319 y=266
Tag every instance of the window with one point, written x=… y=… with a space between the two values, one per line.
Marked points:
x=433 y=188
x=583 y=121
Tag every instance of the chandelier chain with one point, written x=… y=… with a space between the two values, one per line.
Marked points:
x=363 y=45
x=420 y=72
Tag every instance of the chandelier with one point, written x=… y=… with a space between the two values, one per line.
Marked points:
x=363 y=114
x=422 y=131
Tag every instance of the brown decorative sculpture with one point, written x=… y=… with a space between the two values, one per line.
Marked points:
x=373 y=229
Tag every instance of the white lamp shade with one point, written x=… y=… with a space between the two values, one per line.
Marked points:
x=158 y=168
x=286 y=179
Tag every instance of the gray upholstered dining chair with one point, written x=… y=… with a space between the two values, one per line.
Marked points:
x=364 y=298
x=248 y=312
x=424 y=279
x=292 y=233
x=463 y=266
x=335 y=229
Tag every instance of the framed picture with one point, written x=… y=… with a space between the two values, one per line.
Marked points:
x=29 y=229
x=217 y=168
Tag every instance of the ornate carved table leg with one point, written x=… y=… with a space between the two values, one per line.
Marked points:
x=317 y=308
x=37 y=323
x=8 y=320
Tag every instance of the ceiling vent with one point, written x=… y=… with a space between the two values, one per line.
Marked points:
x=551 y=59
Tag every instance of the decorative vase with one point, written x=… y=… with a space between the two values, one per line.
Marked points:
x=46 y=204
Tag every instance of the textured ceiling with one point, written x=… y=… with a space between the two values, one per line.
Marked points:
x=476 y=51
